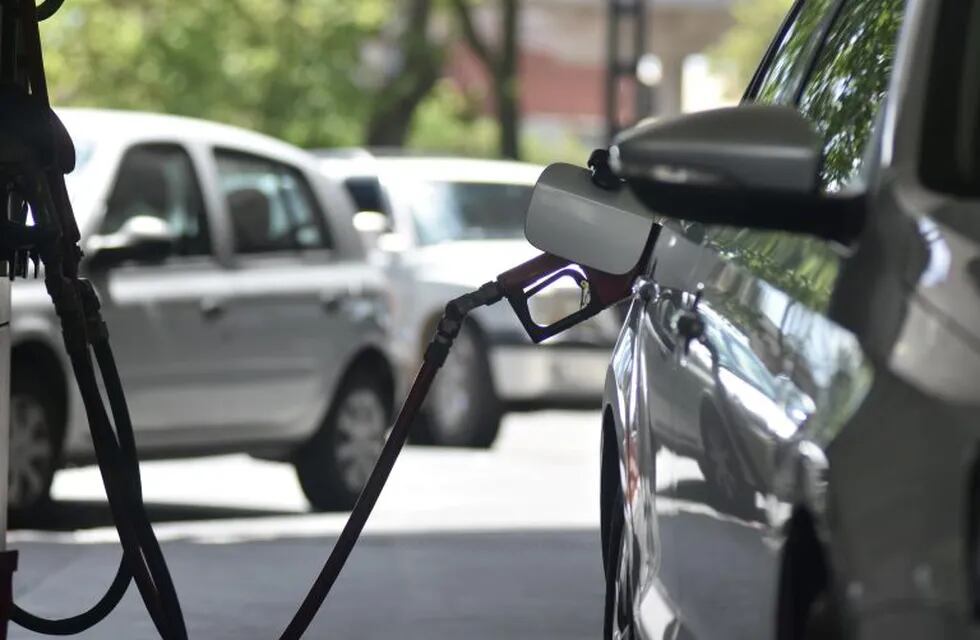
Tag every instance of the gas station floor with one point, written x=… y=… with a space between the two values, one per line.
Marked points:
x=475 y=544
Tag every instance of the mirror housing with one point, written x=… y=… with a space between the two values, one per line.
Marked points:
x=140 y=239
x=371 y=226
x=570 y=217
x=748 y=166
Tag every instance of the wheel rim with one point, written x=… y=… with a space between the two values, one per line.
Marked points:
x=452 y=393
x=30 y=450
x=361 y=423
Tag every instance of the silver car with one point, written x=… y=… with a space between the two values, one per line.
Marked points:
x=243 y=314
x=444 y=226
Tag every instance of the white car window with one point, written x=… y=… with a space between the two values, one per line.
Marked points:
x=271 y=206
x=444 y=211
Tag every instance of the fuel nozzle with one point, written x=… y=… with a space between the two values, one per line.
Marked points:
x=593 y=233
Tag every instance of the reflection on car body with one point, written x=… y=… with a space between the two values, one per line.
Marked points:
x=806 y=464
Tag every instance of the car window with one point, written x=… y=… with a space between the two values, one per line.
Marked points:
x=444 y=211
x=159 y=180
x=951 y=131
x=780 y=82
x=849 y=82
x=270 y=205
x=365 y=191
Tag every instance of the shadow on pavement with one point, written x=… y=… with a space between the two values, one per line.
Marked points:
x=479 y=585
x=69 y=515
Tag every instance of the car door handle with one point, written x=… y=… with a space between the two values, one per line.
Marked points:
x=212 y=308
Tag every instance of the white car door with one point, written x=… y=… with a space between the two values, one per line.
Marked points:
x=168 y=348
x=291 y=300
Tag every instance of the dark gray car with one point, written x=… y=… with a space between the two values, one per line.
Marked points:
x=791 y=420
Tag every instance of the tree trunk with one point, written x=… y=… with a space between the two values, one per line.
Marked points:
x=507 y=81
x=501 y=67
x=421 y=65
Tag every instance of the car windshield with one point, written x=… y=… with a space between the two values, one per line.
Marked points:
x=443 y=211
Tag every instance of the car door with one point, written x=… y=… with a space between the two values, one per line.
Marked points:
x=770 y=371
x=293 y=298
x=164 y=352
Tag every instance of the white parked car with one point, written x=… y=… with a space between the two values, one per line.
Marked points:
x=242 y=311
x=442 y=227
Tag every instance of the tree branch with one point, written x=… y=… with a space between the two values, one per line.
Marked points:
x=473 y=39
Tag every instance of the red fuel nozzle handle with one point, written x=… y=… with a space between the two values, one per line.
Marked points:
x=600 y=290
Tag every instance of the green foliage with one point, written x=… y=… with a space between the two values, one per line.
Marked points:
x=288 y=68
x=805 y=268
x=739 y=52
x=449 y=121
x=850 y=82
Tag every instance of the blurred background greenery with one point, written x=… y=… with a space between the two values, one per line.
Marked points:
x=327 y=73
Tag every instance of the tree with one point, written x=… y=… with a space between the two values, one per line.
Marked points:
x=501 y=66
x=418 y=68
x=739 y=52
x=289 y=68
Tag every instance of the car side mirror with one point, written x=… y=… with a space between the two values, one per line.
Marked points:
x=140 y=239
x=748 y=166
x=571 y=217
x=597 y=236
x=371 y=226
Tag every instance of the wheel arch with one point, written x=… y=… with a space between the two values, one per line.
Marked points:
x=371 y=358
x=40 y=357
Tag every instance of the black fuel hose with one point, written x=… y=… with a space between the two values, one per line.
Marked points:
x=435 y=356
x=127 y=444
x=116 y=454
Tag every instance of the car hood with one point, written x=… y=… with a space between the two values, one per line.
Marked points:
x=470 y=263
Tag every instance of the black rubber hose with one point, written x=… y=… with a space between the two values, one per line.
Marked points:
x=120 y=583
x=110 y=466
x=83 y=621
x=435 y=356
x=148 y=540
x=48 y=8
x=363 y=507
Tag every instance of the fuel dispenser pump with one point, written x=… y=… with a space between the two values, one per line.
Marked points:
x=568 y=204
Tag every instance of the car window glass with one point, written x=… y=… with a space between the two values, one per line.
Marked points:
x=444 y=211
x=160 y=181
x=951 y=132
x=271 y=206
x=848 y=84
x=781 y=80
x=366 y=193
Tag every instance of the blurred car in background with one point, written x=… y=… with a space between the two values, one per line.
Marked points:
x=442 y=227
x=243 y=313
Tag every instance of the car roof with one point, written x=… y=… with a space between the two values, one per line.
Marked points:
x=100 y=124
x=426 y=168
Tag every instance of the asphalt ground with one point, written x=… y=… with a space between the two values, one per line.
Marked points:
x=464 y=544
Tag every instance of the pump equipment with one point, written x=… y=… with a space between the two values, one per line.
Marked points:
x=38 y=226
